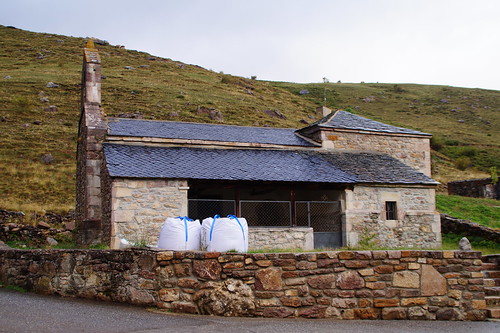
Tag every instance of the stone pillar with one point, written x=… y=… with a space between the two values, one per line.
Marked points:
x=91 y=134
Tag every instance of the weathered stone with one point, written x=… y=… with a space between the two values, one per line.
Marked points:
x=344 y=302
x=382 y=303
x=406 y=279
x=350 y=280
x=291 y=301
x=43 y=225
x=165 y=255
x=448 y=314
x=384 y=269
x=464 y=244
x=169 y=295
x=322 y=282
x=188 y=283
x=231 y=298
x=413 y=301
x=432 y=283
x=264 y=263
x=277 y=312
x=367 y=313
x=51 y=241
x=184 y=307
x=207 y=269
x=140 y=297
x=268 y=279
x=417 y=312
x=313 y=312
x=394 y=314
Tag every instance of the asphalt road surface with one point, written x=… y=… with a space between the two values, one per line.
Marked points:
x=28 y=312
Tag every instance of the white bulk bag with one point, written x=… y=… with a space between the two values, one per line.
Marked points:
x=222 y=234
x=179 y=234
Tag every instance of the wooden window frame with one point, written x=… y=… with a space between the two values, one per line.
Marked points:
x=391 y=210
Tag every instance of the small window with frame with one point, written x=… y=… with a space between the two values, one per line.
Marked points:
x=391 y=210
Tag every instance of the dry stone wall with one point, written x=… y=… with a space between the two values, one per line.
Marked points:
x=418 y=224
x=420 y=285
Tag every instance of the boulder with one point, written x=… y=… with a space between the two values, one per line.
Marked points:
x=464 y=244
x=230 y=298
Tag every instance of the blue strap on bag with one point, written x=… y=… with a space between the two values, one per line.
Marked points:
x=185 y=219
x=241 y=227
x=213 y=224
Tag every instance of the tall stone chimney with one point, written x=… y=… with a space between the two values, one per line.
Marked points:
x=91 y=134
x=323 y=110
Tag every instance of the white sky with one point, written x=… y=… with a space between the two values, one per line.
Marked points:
x=449 y=42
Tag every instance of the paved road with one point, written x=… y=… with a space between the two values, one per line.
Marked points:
x=27 y=312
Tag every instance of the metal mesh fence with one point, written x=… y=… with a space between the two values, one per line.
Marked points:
x=203 y=208
x=322 y=216
x=266 y=213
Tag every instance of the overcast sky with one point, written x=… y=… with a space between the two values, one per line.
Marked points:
x=448 y=42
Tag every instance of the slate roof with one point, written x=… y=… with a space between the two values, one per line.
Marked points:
x=347 y=120
x=376 y=168
x=210 y=132
x=133 y=161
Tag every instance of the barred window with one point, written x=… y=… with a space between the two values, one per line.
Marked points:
x=391 y=211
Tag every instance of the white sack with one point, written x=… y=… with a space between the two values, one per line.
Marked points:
x=226 y=234
x=180 y=234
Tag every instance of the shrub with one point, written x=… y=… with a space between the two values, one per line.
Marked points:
x=468 y=151
x=463 y=163
x=21 y=103
x=494 y=175
x=437 y=142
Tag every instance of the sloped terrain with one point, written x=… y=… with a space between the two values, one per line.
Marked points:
x=38 y=118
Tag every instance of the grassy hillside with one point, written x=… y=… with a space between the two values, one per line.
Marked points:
x=465 y=121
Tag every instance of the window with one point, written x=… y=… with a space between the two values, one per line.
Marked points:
x=391 y=211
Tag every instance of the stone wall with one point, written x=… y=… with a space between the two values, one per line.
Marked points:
x=280 y=238
x=476 y=188
x=418 y=224
x=139 y=208
x=428 y=285
x=453 y=225
x=413 y=151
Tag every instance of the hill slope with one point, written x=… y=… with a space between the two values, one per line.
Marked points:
x=140 y=85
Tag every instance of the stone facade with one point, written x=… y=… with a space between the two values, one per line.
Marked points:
x=413 y=151
x=418 y=224
x=139 y=208
x=280 y=238
x=419 y=285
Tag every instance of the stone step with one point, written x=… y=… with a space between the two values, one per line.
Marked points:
x=492 y=301
x=494 y=313
x=492 y=291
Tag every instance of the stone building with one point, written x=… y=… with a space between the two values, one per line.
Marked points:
x=339 y=181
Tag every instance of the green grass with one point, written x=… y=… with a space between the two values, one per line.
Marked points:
x=450 y=242
x=482 y=211
x=165 y=89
